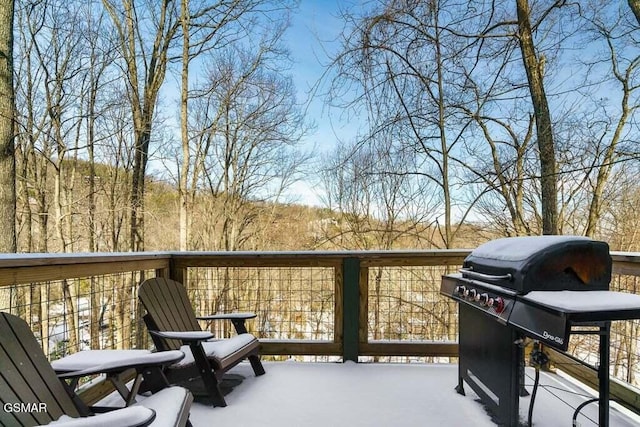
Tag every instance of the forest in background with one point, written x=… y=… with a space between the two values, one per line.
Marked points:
x=476 y=120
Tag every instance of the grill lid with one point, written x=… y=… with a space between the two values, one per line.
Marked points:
x=542 y=263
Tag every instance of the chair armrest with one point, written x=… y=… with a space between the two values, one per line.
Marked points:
x=134 y=416
x=117 y=364
x=185 y=337
x=237 y=319
x=227 y=316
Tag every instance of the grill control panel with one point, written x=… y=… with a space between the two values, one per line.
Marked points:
x=495 y=301
x=481 y=298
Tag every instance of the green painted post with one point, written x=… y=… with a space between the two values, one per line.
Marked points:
x=177 y=274
x=351 y=308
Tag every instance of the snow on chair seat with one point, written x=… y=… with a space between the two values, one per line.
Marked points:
x=225 y=352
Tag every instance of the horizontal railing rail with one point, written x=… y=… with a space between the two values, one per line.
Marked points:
x=351 y=305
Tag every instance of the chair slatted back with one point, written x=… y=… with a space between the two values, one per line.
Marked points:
x=169 y=307
x=27 y=379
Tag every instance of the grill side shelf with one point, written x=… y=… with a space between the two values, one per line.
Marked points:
x=535 y=315
x=549 y=326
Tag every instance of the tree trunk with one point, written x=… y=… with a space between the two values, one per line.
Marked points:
x=184 y=130
x=7 y=148
x=137 y=188
x=534 y=67
x=143 y=86
x=70 y=297
x=95 y=303
x=7 y=132
x=635 y=8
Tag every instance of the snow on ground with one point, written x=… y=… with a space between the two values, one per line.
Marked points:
x=349 y=394
x=304 y=394
x=368 y=394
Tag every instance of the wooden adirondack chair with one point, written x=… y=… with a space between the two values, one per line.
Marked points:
x=31 y=394
x=173 y=325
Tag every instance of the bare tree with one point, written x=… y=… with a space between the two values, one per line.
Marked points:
x=615 y=30
x=99 y=52
x=247 y=125
x=32 y=179
x=505 y=173
x=185 y=18
x=534 y=66
x=98 y=82
x=7 y=135
x=402 y=64
x=208 y=26
x=7 y=132
x=144 y=37
x=592 y=133
x=500 y=144
x=32 y=169
x=58 y=49
x=377 y=200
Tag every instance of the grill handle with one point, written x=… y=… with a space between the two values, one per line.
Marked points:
x=481 y=276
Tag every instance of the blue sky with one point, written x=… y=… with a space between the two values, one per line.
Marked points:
x=313 y=28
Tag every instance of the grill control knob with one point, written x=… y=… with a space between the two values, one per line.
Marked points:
x=460 y=290
x=472 y=294
x=497 y=304
x=483 y=299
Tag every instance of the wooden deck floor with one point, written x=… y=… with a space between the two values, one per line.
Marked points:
x=336 y=394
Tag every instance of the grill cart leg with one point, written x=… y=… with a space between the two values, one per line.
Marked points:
x=460 y=386
x=603 y=375
x=521 y=365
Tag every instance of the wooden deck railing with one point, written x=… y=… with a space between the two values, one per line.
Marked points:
x=346 y=305
x=352 y=273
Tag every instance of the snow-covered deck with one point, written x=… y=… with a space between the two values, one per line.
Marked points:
x=376 y=394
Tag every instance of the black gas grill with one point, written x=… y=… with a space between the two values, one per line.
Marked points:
x=541 y=263
x=542 y=287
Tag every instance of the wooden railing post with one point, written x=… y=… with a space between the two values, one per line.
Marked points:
x=163 y=272
x=351 y=308
x=177 y=273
